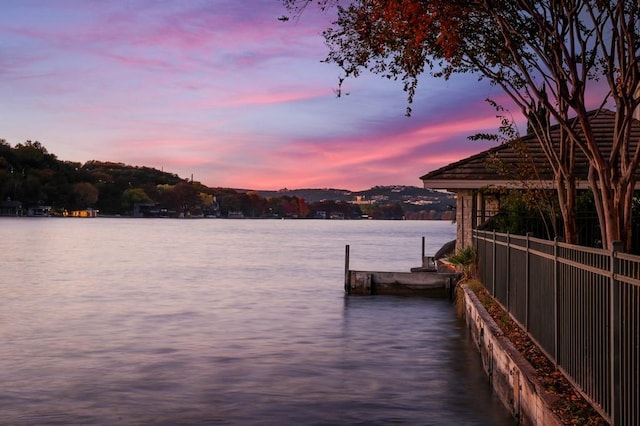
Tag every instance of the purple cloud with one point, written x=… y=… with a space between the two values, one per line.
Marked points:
x=223 y=90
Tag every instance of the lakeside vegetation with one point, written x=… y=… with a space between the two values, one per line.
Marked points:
x=30 y=177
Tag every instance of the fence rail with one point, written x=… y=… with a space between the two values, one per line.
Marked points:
x=580 y=305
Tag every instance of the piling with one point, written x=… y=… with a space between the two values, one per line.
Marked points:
x=346 y=268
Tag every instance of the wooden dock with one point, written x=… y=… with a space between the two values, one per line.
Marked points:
x=429 y=280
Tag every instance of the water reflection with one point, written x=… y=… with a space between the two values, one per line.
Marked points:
x=250 y=326
x=424 y=354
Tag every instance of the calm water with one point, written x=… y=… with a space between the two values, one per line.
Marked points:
x=122 y=321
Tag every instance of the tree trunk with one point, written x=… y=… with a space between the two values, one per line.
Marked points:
x=614 y=205
x=597 y=200
x=623 y=200
x=567 y=199
x=628 y=217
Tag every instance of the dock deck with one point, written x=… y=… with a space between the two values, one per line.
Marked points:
x=432 y=279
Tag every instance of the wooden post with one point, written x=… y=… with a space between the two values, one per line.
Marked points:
x=346 y=268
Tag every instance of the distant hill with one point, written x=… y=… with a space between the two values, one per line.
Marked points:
x=412 y=198
x=32 y=179
x=311 y=195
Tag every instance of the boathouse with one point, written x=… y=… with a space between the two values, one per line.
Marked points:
x=479 y=180
x=39 y=211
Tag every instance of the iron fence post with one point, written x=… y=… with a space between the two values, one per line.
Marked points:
x=556 y=301
x=508 y=277
x=475 y=237
x=614 y=329
x=493 y=266
x=526 y=284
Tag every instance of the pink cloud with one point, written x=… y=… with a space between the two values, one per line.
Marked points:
x=261 y=97
x=221 y=90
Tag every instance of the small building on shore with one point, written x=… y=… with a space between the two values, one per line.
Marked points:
x=39 y=211
x=86 y=213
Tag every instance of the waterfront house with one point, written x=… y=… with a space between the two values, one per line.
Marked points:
x=89 y=212
x=39 y=211
x=476 y=180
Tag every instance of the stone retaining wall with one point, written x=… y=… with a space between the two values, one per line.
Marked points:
x=512 y=377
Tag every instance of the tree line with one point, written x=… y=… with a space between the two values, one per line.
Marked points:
x=31 y=176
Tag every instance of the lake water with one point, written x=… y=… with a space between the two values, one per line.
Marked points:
x=125 y=321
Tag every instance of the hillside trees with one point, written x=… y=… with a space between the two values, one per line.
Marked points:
x=32 y=176
x=547 y=56
x=132 y=196
x=86 y=194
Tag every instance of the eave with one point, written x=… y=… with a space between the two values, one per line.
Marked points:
x=454 y=185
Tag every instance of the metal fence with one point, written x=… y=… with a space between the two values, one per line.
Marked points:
x=580 y=305
x=587 y=229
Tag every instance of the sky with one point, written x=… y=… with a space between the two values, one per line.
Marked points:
x=223 y=91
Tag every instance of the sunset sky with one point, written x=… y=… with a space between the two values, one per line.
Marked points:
x=223 y=90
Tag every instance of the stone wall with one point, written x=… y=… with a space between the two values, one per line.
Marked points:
x=512 y=378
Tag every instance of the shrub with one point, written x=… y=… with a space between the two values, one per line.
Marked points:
x=465 y=259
